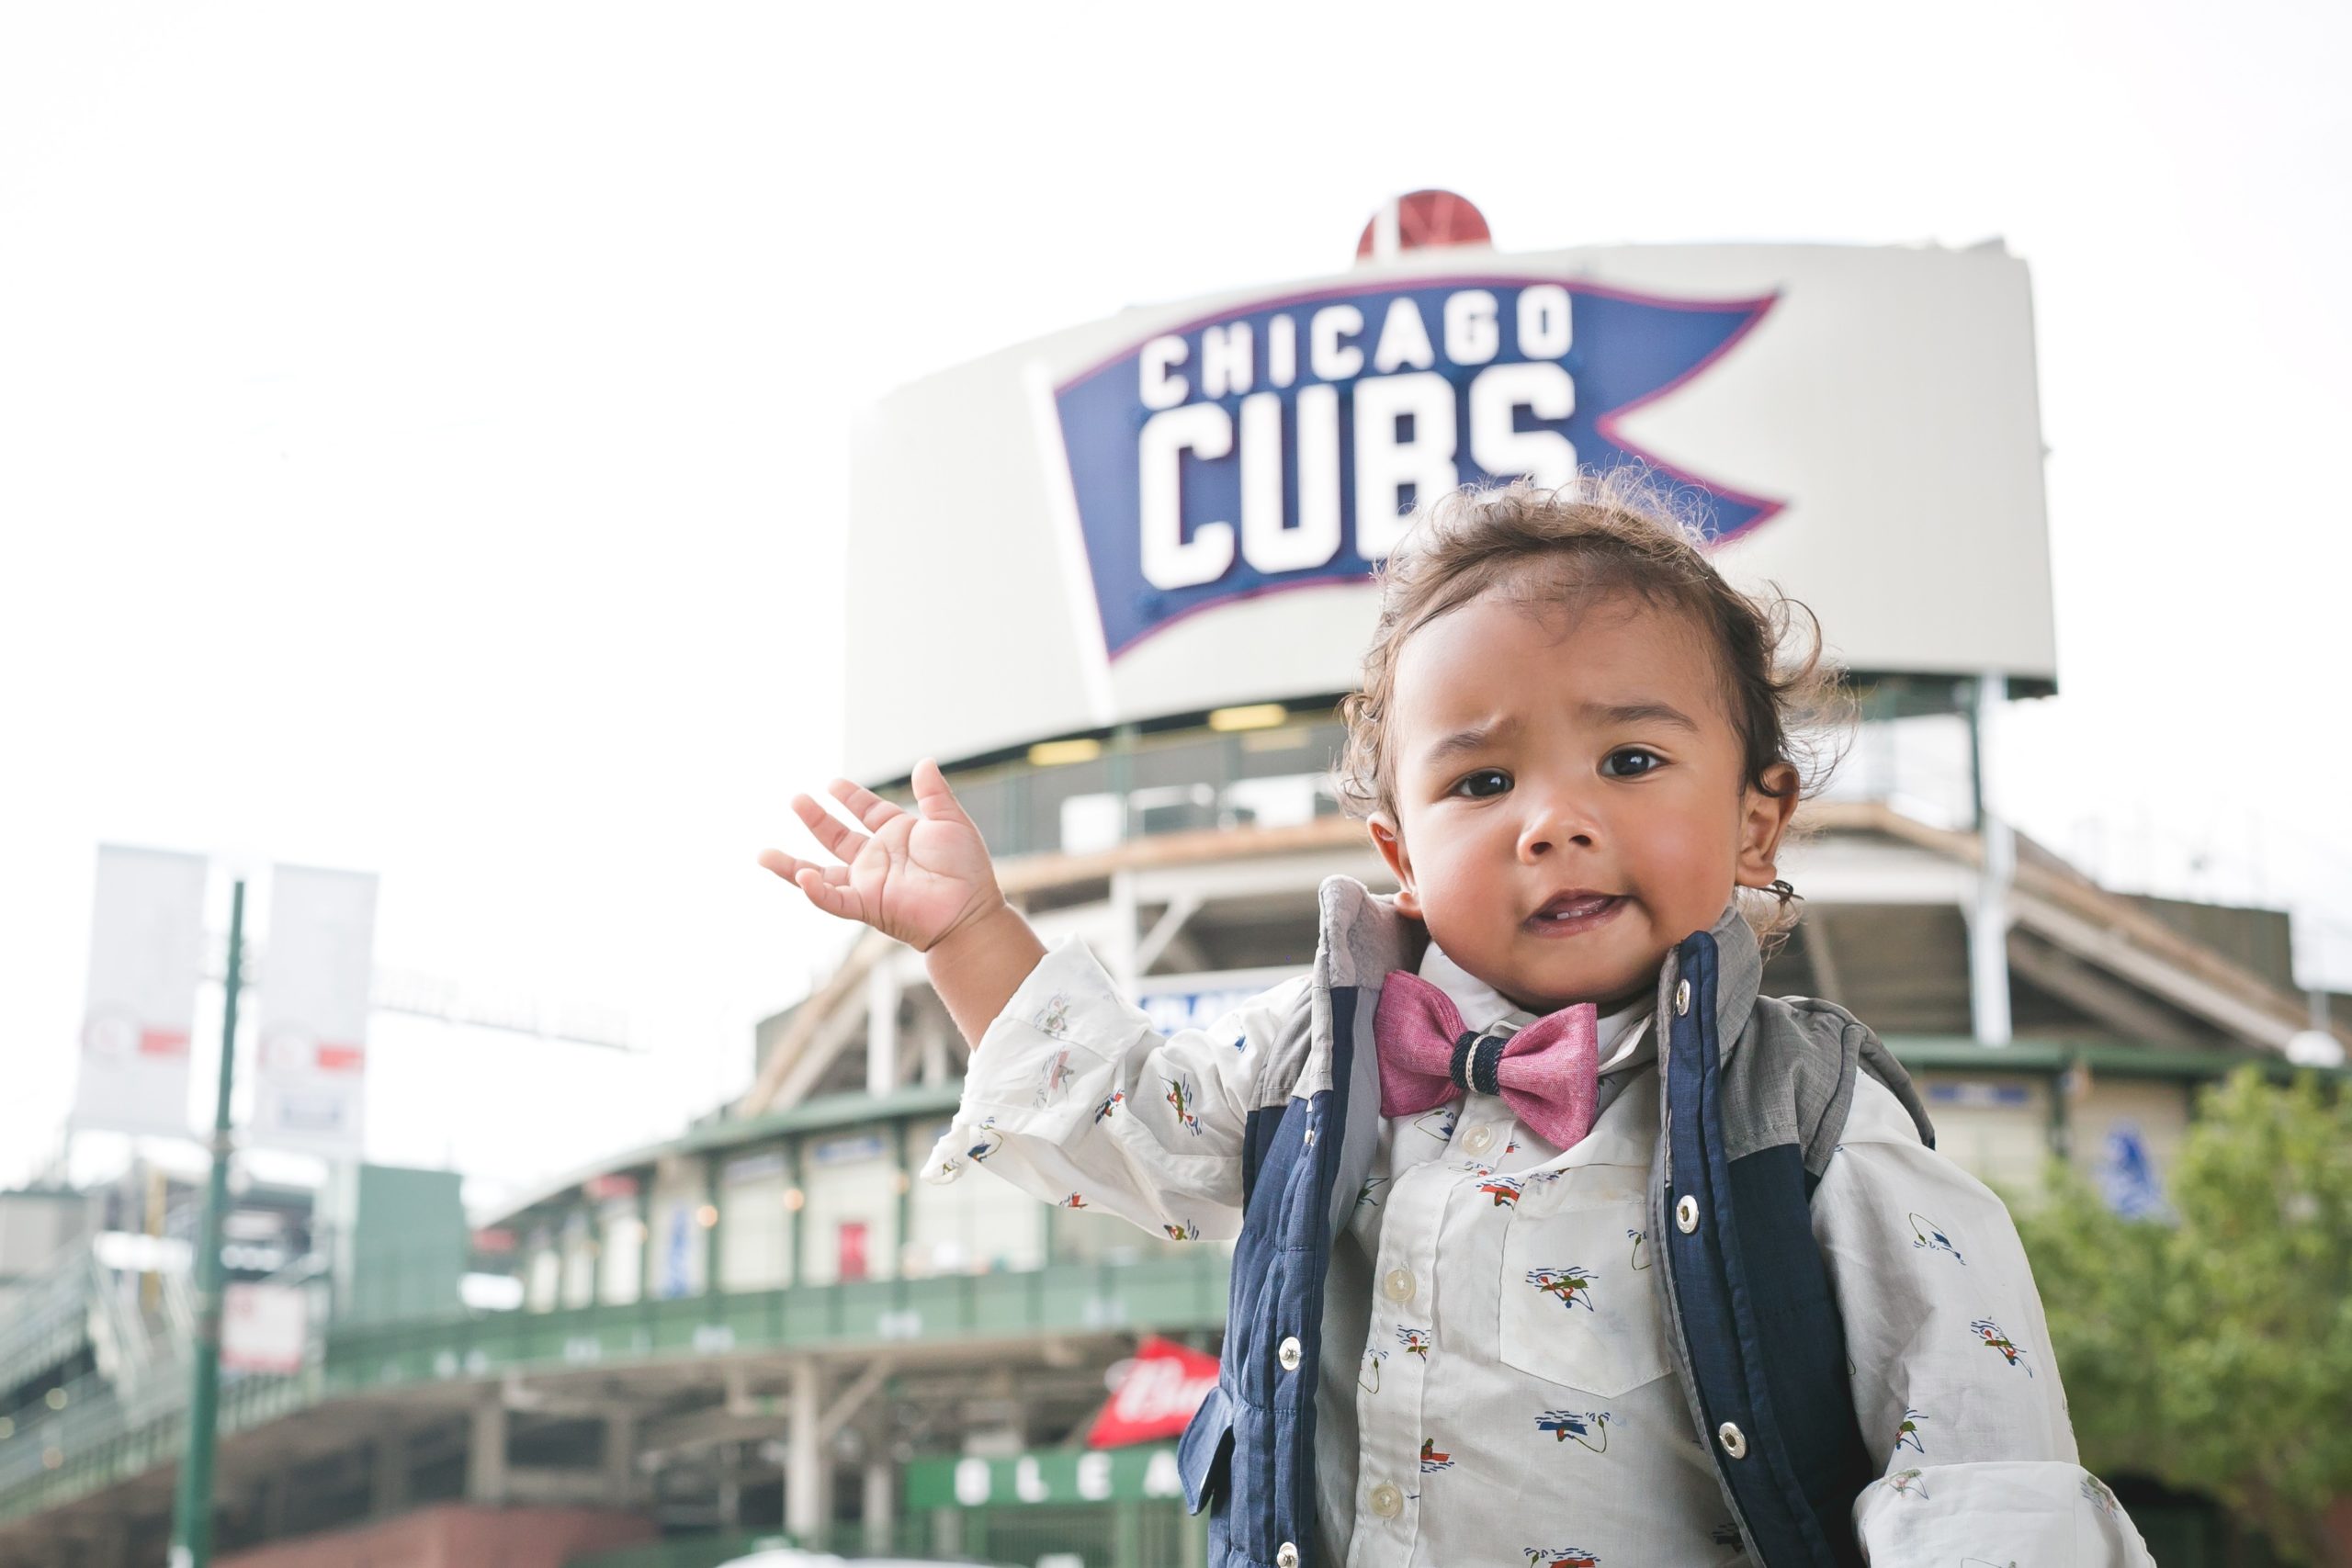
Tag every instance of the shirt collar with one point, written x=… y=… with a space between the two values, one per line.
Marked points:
x=1624 y=1035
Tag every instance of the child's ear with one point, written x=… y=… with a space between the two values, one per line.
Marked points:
x=1764 y=817
x=1400 y=864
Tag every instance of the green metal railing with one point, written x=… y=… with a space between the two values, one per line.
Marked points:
x=1185 y=1291
x=102 y=1436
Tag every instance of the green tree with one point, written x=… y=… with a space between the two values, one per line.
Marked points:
x=2214 y=1352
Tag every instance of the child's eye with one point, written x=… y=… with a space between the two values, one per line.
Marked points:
x=1486 y=782
x=1631 y=762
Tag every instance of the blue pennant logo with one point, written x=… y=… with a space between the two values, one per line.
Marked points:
x=1281 y=444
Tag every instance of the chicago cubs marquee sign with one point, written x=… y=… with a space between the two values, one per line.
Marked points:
x=1105 y=524
x=1282 y=444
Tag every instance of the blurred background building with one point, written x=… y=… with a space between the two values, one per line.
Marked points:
x=1136 y=553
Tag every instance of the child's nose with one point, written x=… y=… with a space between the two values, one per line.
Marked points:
x=1560 y=818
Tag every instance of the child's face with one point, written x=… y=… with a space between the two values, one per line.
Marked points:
x=1570 y=794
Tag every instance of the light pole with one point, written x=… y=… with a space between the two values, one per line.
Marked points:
x=192 y=1503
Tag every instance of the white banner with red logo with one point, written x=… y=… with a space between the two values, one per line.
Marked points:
x=264 y=1327
x=310 y=1086
x=1163 y=1386
x=146 y=956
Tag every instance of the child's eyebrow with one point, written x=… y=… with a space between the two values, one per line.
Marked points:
x=1640 y=713
x=1475 y=737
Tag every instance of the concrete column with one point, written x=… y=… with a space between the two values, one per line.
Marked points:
x=620 y=1459
x=877 y=1507
x=1988 y=924
x=110 y=1543
x=934 y=1054
x=277 y=1500
x=486 y=1454
x=1988 y=935
x=882 y=986
x=1125 y=938
x=388 y=1475
x=805 y=1511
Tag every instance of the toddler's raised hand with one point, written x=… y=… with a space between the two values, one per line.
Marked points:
x=920 y=876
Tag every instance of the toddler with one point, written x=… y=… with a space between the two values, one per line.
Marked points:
x=1554 y=1242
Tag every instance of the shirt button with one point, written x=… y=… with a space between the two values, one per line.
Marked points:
x=1686 y=1214
x=1286 y=1556
x=1288 y=1355
x=1682 y=998
x=1478 y=1140
x=1398 y=1286
x=1386 y=1501
x=1734 y=1440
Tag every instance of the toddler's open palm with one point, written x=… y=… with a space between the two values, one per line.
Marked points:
x=917 y=876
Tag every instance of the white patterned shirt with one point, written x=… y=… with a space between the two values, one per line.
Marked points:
x=1510 y=1399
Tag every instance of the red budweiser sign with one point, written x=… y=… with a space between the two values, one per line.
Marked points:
x=1164 y=1384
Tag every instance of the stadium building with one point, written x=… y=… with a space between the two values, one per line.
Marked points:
x=767 y=1326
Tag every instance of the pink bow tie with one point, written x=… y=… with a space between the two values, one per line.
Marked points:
x=1549 y=1073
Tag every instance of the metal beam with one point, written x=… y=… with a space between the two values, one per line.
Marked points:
x=785 y=1067
x=1181 y=908
x=852 y=1398
x=2121 y=955
x=2130 y=1009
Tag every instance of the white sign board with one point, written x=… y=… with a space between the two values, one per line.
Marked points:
x=146 y=956
x=262 y=1327
x=1177 y=509
x=309 y=1083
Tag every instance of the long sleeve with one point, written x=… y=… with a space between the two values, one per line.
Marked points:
x=1074 y=1098
x=1953 y=1380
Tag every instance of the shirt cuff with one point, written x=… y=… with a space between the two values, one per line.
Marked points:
x=1027 y=1067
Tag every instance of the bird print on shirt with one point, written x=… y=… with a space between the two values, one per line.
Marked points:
x=1182 y=1095
x=1053 y=1082
x=1926 y=1232
x=1572 y=1285
x=1560 y=1557
x=1993 y=1335
x=1907 y=1484
x=1503 y=1190
x=1582 y=1426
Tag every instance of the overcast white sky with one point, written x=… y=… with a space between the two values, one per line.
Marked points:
x=423 y=428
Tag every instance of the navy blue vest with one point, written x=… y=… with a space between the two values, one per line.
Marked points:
x=1760 y=1350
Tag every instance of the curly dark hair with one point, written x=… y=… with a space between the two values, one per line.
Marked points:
x=1615 y=531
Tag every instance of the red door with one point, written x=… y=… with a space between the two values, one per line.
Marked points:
x=853 y=1250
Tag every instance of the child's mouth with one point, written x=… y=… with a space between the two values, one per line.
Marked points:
x=1568 y=914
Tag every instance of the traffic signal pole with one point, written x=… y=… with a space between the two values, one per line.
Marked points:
x=192 y=1504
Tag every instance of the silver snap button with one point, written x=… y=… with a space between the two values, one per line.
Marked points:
x=1682 y=998
x=1288 y=1355
x=1286 y=1556
x=1397 y=1286
x=1386 y=1501
x=1734 y=1440
x=1686 y=1214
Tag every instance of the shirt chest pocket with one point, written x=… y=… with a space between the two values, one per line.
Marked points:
x=1580 y=1300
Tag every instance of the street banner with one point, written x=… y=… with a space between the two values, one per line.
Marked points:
x=310 y=1084
x=264 y=1327
x=1163 y=1386
x=146 y=955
